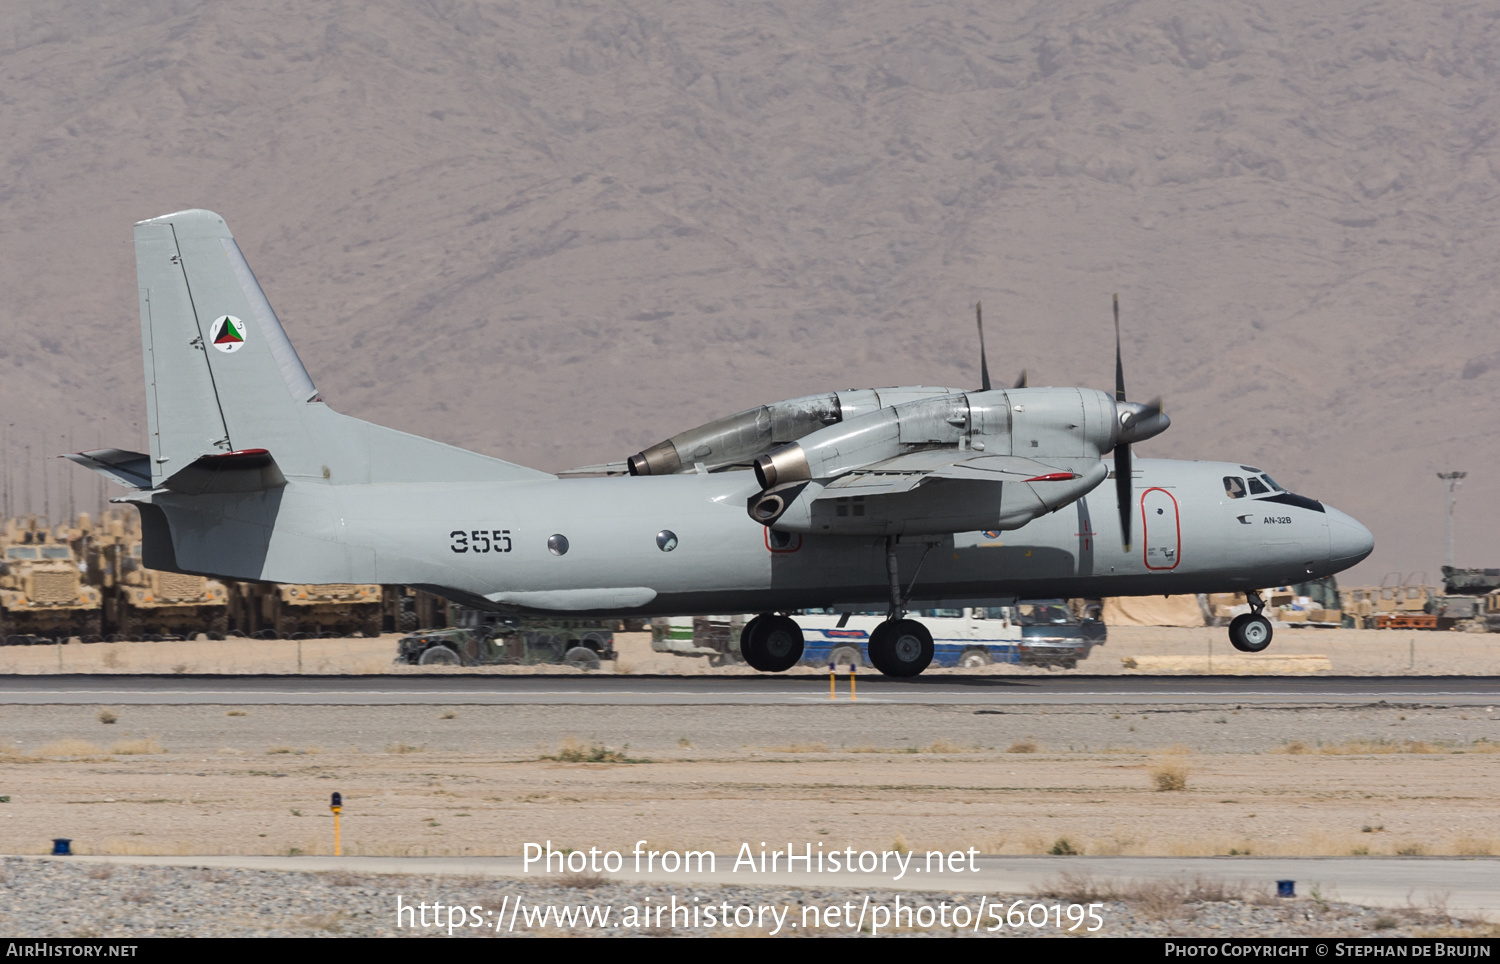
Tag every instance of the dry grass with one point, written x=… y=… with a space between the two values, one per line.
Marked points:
x=1156 y=898
x=581 y=881
x=107 y=716
x=899 y=844
x=1475 y=847
x=448 y=715
x=1169 y=776
x=807 y=748
x=1022 y=746
x=404 y=748
x=137 y=747
x=70 y=746
x=100 y=871
x=236 y=713
x=295 y=750
x=572 y=751
x=1372 y=747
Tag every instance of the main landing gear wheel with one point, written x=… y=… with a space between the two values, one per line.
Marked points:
x=900 y=647
x=771 y=643
x=1250 y=633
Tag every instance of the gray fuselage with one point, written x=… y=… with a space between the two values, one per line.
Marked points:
x=491 y=540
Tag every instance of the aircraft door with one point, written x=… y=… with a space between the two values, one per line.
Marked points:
x=1161 y=533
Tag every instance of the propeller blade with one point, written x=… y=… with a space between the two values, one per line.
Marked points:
x=984 y=365
x=1021 y=382
x=1119 y=364
x=1124 y=490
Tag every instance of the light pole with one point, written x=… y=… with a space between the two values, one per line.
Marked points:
x=1454 y=479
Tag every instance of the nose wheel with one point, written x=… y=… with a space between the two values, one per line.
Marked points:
x=1251 y=632
x=771 y=643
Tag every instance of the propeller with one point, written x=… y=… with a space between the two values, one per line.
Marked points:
x=1137 y=423
x=984 y=365
x=1124 y=490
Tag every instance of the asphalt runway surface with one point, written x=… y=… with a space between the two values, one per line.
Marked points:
x=744 y=690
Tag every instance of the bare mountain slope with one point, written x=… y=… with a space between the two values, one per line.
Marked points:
x=559 y=232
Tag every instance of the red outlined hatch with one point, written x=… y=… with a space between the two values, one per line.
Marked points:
x=783 y=542
x=1161 y=529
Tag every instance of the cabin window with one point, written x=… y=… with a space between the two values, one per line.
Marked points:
x=1234 y=487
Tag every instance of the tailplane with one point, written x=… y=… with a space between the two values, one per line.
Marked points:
x=223 y=380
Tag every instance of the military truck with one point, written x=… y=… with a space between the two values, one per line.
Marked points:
x=481 y=638
x=149 y=604
x=269 y=611
x=1471 y=601
x=43 y=595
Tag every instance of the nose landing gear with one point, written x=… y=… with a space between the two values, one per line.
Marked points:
x=1251 y=632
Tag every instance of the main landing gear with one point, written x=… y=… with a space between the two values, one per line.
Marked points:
x=1251 y=632
x=772 y=643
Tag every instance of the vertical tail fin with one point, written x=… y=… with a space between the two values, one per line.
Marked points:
x=222 y=376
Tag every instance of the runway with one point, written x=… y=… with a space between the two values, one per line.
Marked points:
x=978 y=691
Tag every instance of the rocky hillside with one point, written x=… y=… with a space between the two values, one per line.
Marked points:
x=559 y=232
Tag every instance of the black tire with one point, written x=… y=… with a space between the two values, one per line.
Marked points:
x=1249 y=633
x=843 y=656
x=407 y=621
x=218 y=623
x=771 y=643
x=438 y=656
x=974 y=659
x=901 y=647
x=581 y=657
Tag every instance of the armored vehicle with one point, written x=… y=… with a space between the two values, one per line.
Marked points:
x=43 y=596
x=296 y=611
x=141 y=603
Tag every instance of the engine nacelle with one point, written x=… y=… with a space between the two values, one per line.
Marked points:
x=737 y=439
x=1069 y=428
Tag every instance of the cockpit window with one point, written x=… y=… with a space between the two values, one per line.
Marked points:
x=1234 y=487
x=1272 y=483
x=1256 y=488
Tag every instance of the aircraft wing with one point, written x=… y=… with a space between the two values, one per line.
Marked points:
x=905 y=472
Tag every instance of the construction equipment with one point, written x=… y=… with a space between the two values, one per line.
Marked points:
x=269 y=610
x=43 y=596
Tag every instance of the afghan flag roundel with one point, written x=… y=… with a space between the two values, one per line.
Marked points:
x=228 y=333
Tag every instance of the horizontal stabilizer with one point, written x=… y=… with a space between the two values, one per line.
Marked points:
x=132 y=469
x=249 y=470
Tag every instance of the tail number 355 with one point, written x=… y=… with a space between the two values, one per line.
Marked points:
x=480 y=540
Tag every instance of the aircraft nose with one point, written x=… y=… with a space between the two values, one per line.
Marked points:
x=1348 y=540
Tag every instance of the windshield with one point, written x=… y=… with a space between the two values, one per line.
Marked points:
x=56 y=552
x=1272 y=483
x=20 y=552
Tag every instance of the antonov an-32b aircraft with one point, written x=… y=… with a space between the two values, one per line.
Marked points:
x=852 y=500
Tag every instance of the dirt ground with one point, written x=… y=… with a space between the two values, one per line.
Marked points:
x=425 y=780
x=1157 y=649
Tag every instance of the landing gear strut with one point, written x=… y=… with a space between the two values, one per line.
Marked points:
x=1251 y=632
x=899 y=646
x=771 y=643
